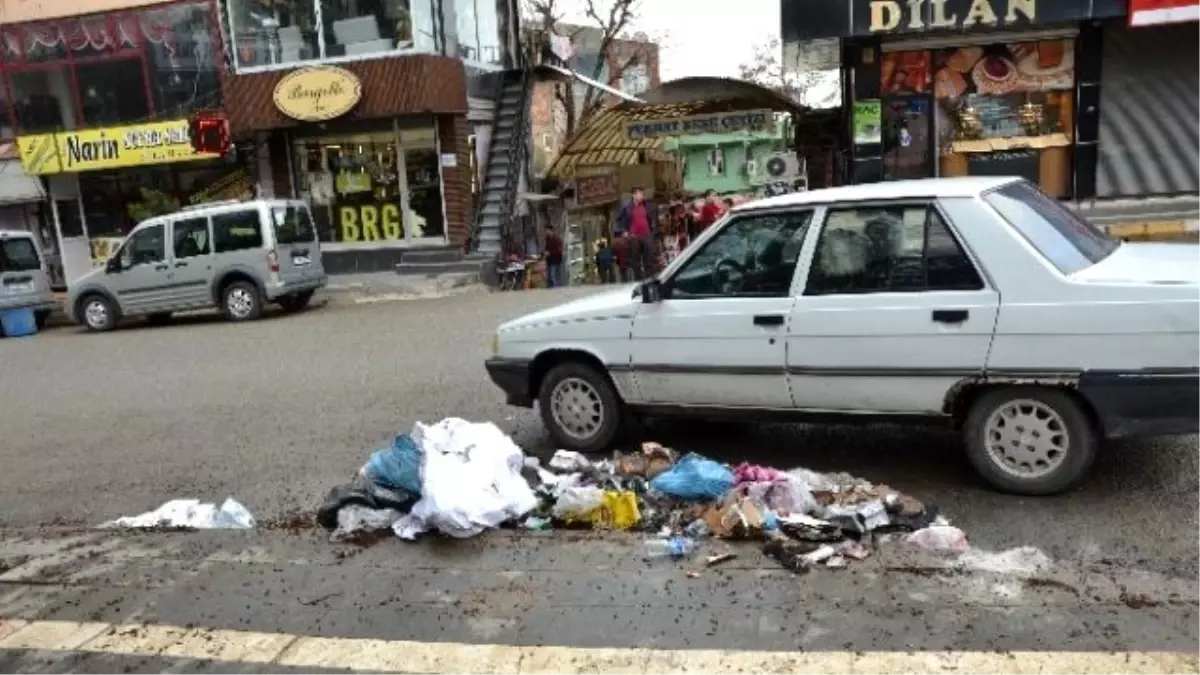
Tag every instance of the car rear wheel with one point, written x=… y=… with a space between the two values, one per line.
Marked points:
x=41 y=318
x=1030 y=440
x=580 y=407
x=97 y=313
x=241 y=301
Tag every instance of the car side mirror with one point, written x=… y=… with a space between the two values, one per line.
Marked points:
x=651 y=291
x=113 y=265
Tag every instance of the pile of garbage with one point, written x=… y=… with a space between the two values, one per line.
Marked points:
x=461 y=478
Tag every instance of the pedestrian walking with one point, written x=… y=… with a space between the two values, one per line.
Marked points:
x=638 y=218
x=605 y=262
x=554 y=258
x=621 y=256
x=709 y=212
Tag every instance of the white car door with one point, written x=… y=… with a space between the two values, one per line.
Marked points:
x=718 y=335
x=894 y=313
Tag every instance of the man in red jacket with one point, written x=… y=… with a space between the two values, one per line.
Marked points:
x=710 y=212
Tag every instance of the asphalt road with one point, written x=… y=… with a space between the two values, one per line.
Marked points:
x=278 y=411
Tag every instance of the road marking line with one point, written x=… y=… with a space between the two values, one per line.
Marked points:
x=284 y=649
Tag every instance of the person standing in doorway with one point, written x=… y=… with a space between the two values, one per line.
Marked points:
x=554 y=258
x=605 y=262
x=638 y=218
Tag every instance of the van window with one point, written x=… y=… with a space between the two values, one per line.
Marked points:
x=18 y=254
x=236 y=231
x=293 y=225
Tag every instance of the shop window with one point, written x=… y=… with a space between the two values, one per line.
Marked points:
x=895 y=249
x=352 y=184
x=190 y=238
x=7 y=114
x=1007 y=109
x=478 y=24
x=43 y=42
x=112 y=92
x=286 y=31
x=182 y=58
x=754 y=256
x=236 y=231
x=42 y=99
x=102 y=204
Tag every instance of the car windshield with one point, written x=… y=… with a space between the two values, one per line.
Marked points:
x=18 y=254
x=1067 y=240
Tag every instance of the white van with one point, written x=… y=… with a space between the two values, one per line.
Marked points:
x=24 y=283
x=231 y=255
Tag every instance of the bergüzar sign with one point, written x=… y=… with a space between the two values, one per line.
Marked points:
x=717 y=123
x=318 y=93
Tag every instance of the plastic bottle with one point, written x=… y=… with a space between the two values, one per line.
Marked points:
x=674 y=547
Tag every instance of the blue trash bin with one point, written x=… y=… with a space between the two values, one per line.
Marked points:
x=18 y=323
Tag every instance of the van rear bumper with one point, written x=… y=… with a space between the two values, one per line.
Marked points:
x=287 y=288
x=1159 y=402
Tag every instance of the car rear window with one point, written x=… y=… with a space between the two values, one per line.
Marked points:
x=293 y=225
x=18 y=254
x=1068 y=241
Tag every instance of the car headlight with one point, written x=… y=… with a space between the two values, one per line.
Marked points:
x=494 y=344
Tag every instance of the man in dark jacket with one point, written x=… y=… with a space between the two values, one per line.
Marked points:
x=638 y=218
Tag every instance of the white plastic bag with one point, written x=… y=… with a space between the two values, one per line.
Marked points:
x=353 y=519
x=568 y=461
x=577 y=502
x=939 y=538
x=470 y=480
x=191 y=514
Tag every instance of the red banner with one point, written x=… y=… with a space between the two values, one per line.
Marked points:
x=1158 y=12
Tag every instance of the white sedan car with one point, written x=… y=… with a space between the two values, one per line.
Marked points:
x=980 y=303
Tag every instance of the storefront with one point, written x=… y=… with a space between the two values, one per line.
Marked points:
x=967 y=87
x=98 y=104
x=379 y=149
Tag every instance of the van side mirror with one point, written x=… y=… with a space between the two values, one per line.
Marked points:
x=651 y=291
x=113 y=265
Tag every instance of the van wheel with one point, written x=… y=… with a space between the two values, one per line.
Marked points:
x=579 y=407
x=1029 y=440
x=41 y=318
x=158 y=318
x=97 y=313
x=296 y=302
x=241 y=301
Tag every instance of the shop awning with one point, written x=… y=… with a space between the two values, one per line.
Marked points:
x=16 y=186
x=603 y=140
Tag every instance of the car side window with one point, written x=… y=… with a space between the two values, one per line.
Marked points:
x=236 y=231
x=888 y=249
x=191 y=238
x=752 y=256
x=146 y=246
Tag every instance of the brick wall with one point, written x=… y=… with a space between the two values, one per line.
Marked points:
x=453 y=131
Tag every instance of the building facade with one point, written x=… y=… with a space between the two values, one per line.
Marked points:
x=733 y=163
x=359 y=107
x=98 y=106
x=629 y=65
x=1079 y=96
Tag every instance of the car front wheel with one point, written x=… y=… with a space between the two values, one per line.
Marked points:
x=98 y=313
x=1030 y=440
x=580 y=407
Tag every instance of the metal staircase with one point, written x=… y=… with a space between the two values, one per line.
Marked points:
x=505 y=164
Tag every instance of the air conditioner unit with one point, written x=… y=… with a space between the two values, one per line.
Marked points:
x=753 y=171
x=781 y=166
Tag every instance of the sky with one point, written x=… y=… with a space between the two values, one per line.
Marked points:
x=703 y=37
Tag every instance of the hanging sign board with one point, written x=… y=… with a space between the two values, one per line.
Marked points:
x=317 y=94
x=717 y=123
x=1158 y=12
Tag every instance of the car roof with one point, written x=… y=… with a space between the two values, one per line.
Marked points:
x=965 y=186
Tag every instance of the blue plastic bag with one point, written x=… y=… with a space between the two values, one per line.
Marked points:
x=397 y=467
x=696 y=478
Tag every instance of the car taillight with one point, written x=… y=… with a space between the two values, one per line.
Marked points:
x=273 y=260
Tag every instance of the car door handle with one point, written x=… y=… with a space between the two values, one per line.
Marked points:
x=950 y=315
x=768 y=319
x=161 y=266
x=181 y=263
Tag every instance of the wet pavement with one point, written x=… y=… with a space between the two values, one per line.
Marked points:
x=277 y=412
